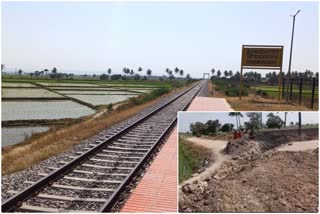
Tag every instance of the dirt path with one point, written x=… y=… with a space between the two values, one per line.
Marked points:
x=215 y=146
x=300 y=146
x=284 y=179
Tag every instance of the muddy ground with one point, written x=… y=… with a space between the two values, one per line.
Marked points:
x=250 y=179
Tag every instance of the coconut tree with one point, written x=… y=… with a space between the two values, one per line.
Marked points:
x=20 y=72
x=213 y=71
x=230 y=73
x=226 y=73
x=168 y=71
x=218 y=73
x=46 y=72
x=140 y=69
x=149 y=72
x=181 y=72
x=109 y=71
x=2 y=67
x=176 y=71
x=237 y=115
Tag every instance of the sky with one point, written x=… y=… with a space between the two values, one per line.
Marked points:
x=89 y=37
x=186 y=118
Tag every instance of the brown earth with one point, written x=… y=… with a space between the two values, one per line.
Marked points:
x=253 y=181
x=254 y=102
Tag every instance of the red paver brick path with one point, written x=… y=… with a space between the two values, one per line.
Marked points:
x=209 y=104
x=157 y=191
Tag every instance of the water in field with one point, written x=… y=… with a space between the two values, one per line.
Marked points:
x=27 y=93
x=69 y=92
x=132 y=85
x=84 y=89
x=146 y=90
x=68 y=84
x=43 y=110
x=14 y=84
x=14 y=135
x=102 y=99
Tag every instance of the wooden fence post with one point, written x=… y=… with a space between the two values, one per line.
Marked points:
x=300 y=90
x=283 y=84
x=313 y=89
x=291 y=83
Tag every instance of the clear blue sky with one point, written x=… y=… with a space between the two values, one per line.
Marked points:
x=186 y=118
x=89 y=37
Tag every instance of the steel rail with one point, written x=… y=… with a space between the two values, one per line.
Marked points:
x=16 y=201
x=114 y=197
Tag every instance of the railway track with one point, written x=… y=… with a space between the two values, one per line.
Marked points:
x=95 y=177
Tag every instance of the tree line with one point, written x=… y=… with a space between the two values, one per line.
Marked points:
x=127 y=74
x=212 y=127
x=271 y=77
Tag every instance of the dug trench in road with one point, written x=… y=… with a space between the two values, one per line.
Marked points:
x=257 y=178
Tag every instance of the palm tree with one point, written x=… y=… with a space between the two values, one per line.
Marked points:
x=46 y=71
x=226 y=73
x=2 y=67
x=149 y=72
x=20 y=72
x=230 y=73
x=139 y=69
x=176 y=70
x=109 y=71
x=37 y=73
x=218 y=73
x=54 y=70
x=168 y=71
x=237 y=115
x=181 y=73
x=212 y=71
x=124 y=70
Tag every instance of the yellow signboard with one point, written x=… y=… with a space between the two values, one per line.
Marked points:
x=267 y=57
x=261 y=57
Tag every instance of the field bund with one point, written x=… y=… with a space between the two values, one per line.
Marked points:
x=37 y=106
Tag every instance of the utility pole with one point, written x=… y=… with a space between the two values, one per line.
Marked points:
x=299 y=123
x=289 y=68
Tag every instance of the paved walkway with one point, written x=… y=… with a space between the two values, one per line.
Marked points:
x=157 y=191
x=209 y=104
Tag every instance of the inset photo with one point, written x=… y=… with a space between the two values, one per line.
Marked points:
x=248 y=161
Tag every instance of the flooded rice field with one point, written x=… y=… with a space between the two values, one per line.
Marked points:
x=111 y=92
x=13 y=135
x=13 y=84
x=68 y=84
x=19 y=111
x=102 y=99
x=43 y=110
x=27 y=93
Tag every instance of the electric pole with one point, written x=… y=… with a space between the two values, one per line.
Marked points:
x=290 y=57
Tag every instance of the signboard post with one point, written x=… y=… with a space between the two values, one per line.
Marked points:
x=261 y=57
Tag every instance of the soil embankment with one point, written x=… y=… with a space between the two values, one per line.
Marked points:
x=258 y=179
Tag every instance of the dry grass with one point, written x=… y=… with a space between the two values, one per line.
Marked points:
x=56 y=141
x=255 y=103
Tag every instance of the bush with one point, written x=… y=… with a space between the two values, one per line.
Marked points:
x=234 y=92
x=116 y=77
x=104 y=77
x=110 y=107
x=261 y=93
x=145 y=98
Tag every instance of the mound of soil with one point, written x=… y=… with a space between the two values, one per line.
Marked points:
x=273 y=181
x=242 y=147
